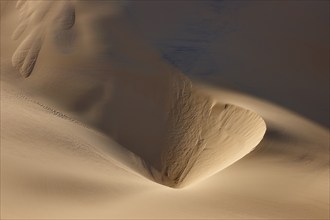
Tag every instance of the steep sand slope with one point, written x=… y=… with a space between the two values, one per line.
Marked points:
x=54 y=167
x=93 y=119
x=147 y=106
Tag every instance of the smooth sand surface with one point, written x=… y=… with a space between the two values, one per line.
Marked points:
x=95 y=124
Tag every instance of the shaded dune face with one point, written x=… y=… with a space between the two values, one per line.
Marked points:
x=180 y=134
x=36 y=18
x=205 y=136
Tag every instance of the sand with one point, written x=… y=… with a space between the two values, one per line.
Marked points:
x=95 y=124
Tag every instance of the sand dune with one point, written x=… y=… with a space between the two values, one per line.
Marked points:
x=95 y=124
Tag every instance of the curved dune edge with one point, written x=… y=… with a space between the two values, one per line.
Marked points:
x=219 y=135
x=62 y=159
x=61 y=166
x=207 y=138
x=192 y=136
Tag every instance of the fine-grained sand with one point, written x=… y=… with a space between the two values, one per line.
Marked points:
x=95 y=124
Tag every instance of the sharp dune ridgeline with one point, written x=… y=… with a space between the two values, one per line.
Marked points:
x=95 y=123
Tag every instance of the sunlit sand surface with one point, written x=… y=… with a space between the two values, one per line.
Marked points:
x=95 y=124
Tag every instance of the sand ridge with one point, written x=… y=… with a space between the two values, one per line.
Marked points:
x=173 y=136
x=95 y=124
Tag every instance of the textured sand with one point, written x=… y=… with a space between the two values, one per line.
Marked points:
x=94 y=124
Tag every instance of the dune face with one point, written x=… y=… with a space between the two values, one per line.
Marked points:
x=35 y=17
x=182 y=134
x=206 y=137
x=97 y=125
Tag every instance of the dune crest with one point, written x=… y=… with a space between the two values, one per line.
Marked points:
x=206 y=136
x=181 y=134
x=96 y=124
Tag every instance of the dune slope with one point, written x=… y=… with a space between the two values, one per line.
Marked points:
x=95 y=124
